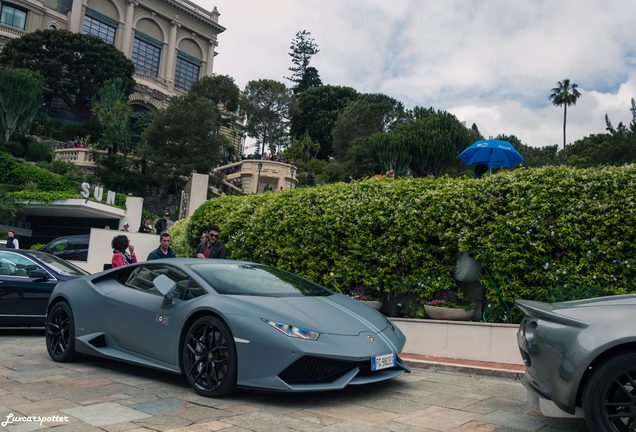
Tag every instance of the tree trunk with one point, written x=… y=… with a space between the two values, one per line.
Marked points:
x=565 y=114
x=7 y=135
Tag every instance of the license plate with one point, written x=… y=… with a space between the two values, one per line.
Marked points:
x=383 y=361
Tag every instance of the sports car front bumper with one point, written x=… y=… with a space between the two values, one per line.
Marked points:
x=270 y=360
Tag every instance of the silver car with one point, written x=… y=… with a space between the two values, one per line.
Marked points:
x=224 y=325
x=581 y=355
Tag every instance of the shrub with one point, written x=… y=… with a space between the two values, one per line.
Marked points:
x=548 y=234
x=17 y=172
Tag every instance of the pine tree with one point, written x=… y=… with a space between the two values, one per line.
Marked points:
x=302 y=49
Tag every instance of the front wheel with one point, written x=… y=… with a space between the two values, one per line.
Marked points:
x=60 y=333
x=209 y=357
x=609 y=397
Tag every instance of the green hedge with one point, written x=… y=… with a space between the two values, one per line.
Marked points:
x=17 y=172
x=38 y=184
x=549 y=234
x=50 y=196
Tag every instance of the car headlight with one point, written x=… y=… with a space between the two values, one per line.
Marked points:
x=293 y=331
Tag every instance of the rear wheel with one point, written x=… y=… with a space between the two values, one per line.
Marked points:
x=609 y=397
x=60 y=333
x=209 y=357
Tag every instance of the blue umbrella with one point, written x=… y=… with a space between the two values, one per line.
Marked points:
x=493 y=153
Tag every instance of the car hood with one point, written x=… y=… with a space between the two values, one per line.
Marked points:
x=334 y=314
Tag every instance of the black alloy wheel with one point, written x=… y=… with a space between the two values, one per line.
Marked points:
x=60 y=333
x=609 y=397
x=209 y=357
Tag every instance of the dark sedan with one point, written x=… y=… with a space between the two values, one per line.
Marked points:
x=27 y=279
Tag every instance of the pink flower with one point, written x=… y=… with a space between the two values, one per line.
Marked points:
x=436 y=302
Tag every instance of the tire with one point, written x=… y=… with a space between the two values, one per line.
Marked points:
x=209 y=357
x=609 y=397
x=60 y=333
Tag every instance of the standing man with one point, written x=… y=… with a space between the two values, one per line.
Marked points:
x=162 y=224
x=12 y=241
x=164 y=250
x=212 y=248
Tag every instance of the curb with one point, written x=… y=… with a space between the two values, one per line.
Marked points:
x=470 y=367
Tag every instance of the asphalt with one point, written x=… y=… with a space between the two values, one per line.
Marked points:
x=101 y=395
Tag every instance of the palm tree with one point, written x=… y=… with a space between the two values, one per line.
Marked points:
x=565 y=93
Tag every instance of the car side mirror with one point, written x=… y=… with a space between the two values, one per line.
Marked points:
x=165 y=286
x=38 y=274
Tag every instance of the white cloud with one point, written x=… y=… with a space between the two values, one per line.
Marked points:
x=492 y=62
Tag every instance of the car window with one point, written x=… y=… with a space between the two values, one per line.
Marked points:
x=59 y=265
x=257 y=279
x=59 y=246
x=141 y=278
x=78 y=244
x=16 y=265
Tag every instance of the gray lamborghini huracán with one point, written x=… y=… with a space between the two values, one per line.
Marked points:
x=224 y=324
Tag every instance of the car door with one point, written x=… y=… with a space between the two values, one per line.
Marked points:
x=141 y=320
x=59 y=248
x=22 y=297
x=78 y=249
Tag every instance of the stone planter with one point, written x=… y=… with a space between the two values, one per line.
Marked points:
x=444 y=313
x=375 y=304
x=469 y=340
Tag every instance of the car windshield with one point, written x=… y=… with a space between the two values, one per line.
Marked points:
x=257 y=279
x=59 y=265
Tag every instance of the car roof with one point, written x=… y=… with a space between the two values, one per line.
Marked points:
x=35 y=253
x=74 y=236
x=188 y=261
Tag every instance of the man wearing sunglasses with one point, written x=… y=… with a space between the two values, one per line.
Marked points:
x=212 y=247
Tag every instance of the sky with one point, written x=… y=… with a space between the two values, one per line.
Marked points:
x=489 y=62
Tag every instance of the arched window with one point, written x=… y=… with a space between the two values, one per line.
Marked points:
x=101 y=20
x=188 y=67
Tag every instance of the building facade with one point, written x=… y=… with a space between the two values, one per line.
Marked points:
x=259 y=175
x=171 y=42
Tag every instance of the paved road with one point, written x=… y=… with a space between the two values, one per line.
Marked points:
x=100 y=395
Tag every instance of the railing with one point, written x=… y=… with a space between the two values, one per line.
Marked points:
x=77 y=155
x=12 y=30
x=259 y=172
x=150 y=77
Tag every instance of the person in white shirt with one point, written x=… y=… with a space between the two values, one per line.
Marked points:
x=12 y=241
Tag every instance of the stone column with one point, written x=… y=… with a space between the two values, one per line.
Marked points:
x=210 y=63
x=134 y=206
x=172 y=53
x=128 y=28
x=75 y=20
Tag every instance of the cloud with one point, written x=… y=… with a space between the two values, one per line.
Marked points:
x=492 y=62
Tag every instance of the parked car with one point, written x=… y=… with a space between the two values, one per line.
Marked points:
x=73 y=247
x=27 y=279
x=224 y=324
x=3 y=244
x=581 y=355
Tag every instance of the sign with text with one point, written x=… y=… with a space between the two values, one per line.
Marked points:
x=98 y=193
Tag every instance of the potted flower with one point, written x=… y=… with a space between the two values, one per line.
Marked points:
x=361 y=293
x=450 y=306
